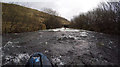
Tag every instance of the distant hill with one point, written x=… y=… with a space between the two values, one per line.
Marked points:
x=18 y=18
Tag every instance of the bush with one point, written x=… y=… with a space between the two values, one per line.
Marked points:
x=52 y=22
x=104 y=19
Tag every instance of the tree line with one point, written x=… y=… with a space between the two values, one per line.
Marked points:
x=105 y=18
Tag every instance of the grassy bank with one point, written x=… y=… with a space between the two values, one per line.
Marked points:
x=16 y=18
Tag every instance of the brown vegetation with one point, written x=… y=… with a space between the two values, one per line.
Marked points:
x=52 y=23
x=17 y=18
x=105 y=18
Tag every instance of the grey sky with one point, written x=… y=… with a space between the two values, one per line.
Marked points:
x=66 y=8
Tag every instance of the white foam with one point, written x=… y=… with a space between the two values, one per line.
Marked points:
x=83 y=34
x=21 y=56
x=8 y=43
x=58 y=61
x=16 y=59
x=63 y=29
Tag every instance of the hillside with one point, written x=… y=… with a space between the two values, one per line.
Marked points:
x=18 y=18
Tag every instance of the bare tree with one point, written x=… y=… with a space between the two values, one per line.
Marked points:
x=104 y=19
x=50 y=11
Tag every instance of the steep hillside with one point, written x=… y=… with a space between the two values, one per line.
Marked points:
x=18 y=18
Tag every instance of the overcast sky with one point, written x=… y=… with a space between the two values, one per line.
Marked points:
x=66 y=8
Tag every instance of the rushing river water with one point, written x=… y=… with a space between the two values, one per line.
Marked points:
x=62 y=46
